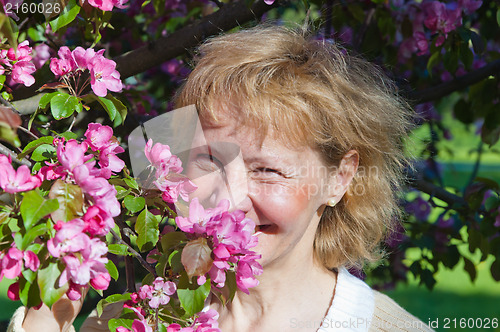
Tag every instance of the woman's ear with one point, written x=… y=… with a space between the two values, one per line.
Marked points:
x=348 y=167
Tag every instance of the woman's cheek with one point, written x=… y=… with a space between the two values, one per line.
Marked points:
x=283 y=205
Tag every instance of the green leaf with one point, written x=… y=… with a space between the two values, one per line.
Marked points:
x=120 y=109
x=171 y=240
x=491 y=203
x=495 y=269
x=63 y=105
x=193 y=300
x=29 y=293
x=68 y=135
x=34 y=144
x=117 y=298
x=109 y=107
x=498 y=16
x=134 y=204
x=43 y=152
x=114 y=323
x=46 y=98
x=121 y=192
x=470 y=268
x=34 y=207
x=113 y=271
x=47 y=279
x=32 y=234
x=146 y=227
x=132 y=183
x=119 y=249
x=67 y=16
x=70 y=198
x=433 y=60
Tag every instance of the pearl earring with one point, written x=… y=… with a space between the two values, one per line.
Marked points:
x=331 y=202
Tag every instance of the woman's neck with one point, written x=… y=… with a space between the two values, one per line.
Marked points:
x=288 y=292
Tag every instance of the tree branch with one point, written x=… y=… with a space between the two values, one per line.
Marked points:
x=143 y=262
x=6 y=151
x=459 y=83
x=226 y=18
x=454 y=201
x=139 y=60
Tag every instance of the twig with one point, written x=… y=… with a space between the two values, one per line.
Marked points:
x=364 y=27
x=28 y=132
x=135 y=253
x=454 y=201
x=9 y=105
x=459 y=83
x=6 y=151
x=328 y=18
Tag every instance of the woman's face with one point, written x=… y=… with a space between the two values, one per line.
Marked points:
x=282 y=190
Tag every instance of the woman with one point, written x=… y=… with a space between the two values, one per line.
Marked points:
x=319 y=136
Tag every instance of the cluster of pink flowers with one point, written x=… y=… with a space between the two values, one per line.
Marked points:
x=76 y=165
x=231 y=236
x=83 y=256
x=17 y=63
x=156 y=294
x=77 y=242
x=103 y=73
x=11 y=266
x=13 y=181
x=431 y=18
x=168 y=167
x=205 y=322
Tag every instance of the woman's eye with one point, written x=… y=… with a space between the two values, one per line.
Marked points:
x=268 y=171
x=208 y=161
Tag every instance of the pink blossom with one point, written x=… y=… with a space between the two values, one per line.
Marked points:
x=469 y=6
x=90 y=264
x=108 y=158
x=98 y=136
x=101 y=281
x=22 y=53
x=31 y=260
x=65 y=64
x=245 y=278
x=13 y=181
x=199 y=218
x=158 y=154
x=441 y=19
x=98 y=221
x=269 y=2
x=157 y=294
x=13 y=292
x=11 y=264
x=72 y=154
x=42 y=54
x=84 y=57
x=21 y=73
x=103 y=76
x=106 y=5
x=174 y=185
x=74 y=292
x=421 y=42
x=69 y=238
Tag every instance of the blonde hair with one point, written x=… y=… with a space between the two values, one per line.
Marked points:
x=315 y=94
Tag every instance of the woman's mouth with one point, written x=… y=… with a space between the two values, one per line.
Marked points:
x=266 y=229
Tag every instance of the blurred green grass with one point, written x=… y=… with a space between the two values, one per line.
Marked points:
x=454 y=296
